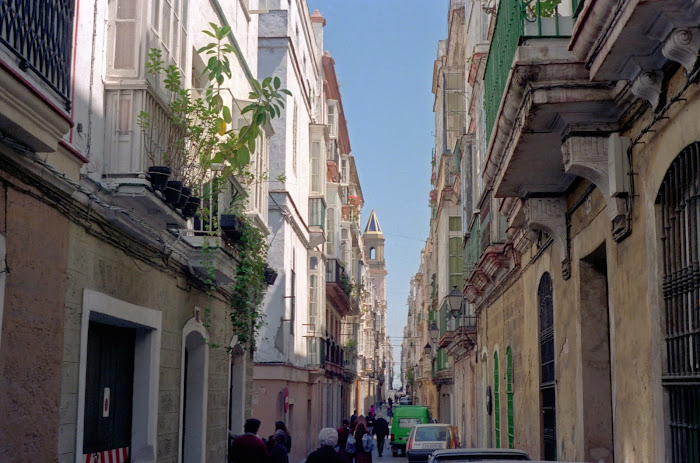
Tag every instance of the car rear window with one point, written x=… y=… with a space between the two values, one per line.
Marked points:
x=431 y=434
x=408 y=422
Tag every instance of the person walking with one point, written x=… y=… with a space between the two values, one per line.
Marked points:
x=353 y=418
x=381 y=429
x=280 y=426
x=364 y=451
x=249 y=447
x=278 y=452
x=370 y=423
x=328 y=439
x=343 y=433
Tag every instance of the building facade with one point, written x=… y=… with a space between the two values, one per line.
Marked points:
x=578 y=171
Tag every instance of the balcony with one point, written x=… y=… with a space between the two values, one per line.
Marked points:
x=338 y=287
x=350 y=362
x=40 y=39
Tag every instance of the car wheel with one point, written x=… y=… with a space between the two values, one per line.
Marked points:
x=394 y=453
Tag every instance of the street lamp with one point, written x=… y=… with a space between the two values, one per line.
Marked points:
x=454 y=300
x=434 y=331
x=428 y=349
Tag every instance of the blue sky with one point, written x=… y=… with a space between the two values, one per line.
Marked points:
x=384 y=52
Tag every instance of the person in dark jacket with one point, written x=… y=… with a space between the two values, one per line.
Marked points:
x=280 y=426
x=343 y=433
x=278 y=453
x=248 y=448
x=353 y=418
x=328 y=439
x=381 y=430
x=361 y=456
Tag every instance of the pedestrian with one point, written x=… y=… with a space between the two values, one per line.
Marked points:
x=327 y=439
x=389 y=411
x=370 y=423
x=279 y=453
x=371 y=411
x=343 y=433
x=353 y=418
x=280 y=426
x=249 y=447
x=381 y=429
x=364 y=453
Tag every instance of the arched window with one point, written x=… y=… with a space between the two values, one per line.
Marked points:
x=547 y=390
x=509 y=396
x=372 y=253
x=680 y=221
x=496 y=402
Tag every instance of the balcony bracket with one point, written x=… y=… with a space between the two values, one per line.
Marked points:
x=597 y=159
x=647 y=86
x=682 y=47
x=548 y=215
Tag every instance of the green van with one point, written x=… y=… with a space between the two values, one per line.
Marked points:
x=405 y=417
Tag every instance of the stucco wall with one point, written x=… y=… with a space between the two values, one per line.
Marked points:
x=32 y=326
x=95 y=265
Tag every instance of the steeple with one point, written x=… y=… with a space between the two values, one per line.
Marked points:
x=373 y=226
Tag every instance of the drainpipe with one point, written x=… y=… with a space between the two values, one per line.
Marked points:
x=232 y=39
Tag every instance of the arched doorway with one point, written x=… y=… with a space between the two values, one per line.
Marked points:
x=193 y=393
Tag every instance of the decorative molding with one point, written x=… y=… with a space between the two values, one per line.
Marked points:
x=548 y=215
x=588 y=157
x=682 y=47
x=647 y=86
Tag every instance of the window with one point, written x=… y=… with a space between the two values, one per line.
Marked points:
x=332 y=119
x=679 y=207
x=547 y=372
x=509 y=396
x=456 y=262
x=372 y=253
x=344 y=171
x=330 y=230
x=316 y=168
x=313 y=291
x=292 y=297
x=123 y=36
x=496 y=402
x=317 y=212
x=294 y=138
x=169 y=26
x=455 y=224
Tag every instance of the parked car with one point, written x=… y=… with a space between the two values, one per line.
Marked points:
x=405 y=401
x=405 y=417
x=465 y=455
x=424 y=439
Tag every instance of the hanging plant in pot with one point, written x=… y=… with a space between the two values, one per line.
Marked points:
x=231 y=227
x=270 y=275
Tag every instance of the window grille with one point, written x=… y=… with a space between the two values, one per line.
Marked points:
x=547 y=390
x=679 y=200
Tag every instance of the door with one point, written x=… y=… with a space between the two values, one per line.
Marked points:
x=109 y=382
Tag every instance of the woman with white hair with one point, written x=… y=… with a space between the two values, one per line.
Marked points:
x=328 y=439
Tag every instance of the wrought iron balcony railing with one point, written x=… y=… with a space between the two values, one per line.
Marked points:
x=517 y=20
x=39 y=34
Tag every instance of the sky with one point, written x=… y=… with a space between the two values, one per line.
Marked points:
x=384 y=52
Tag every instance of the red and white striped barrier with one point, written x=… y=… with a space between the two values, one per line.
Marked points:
x=108 y=456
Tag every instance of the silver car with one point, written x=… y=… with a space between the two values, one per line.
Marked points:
x=467 y=455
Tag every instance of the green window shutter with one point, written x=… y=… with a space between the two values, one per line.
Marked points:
x=455 y=224
x=496 y=401
x=509 y=395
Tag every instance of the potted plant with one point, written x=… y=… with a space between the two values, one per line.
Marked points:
x=158 y=176
x=231 y=227
x=198 y=131
x=270 y=275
